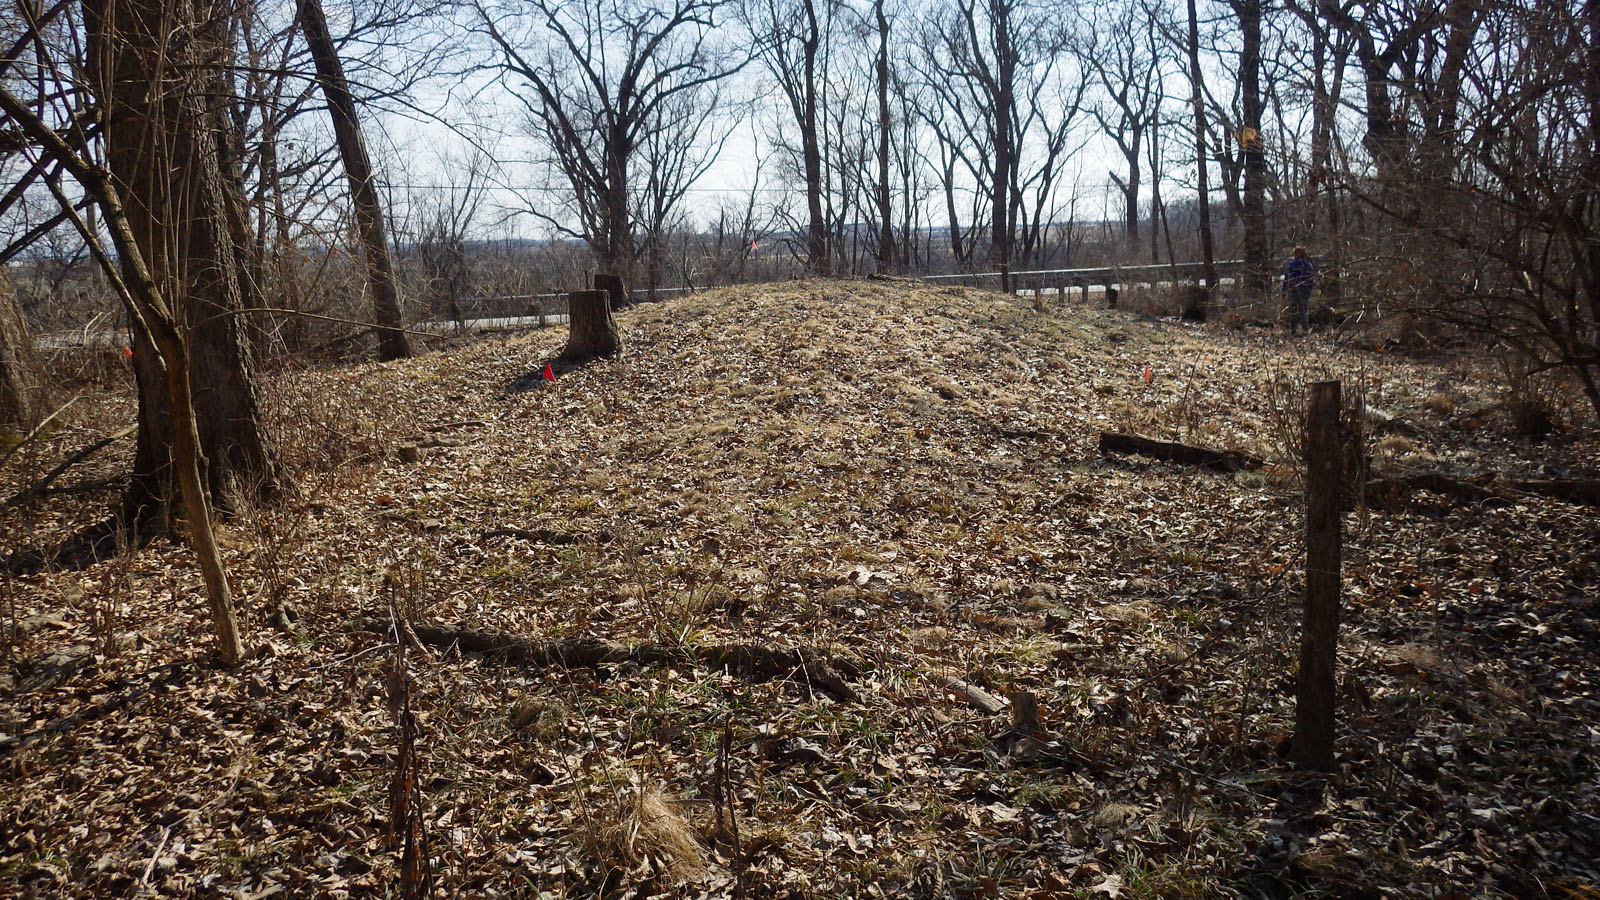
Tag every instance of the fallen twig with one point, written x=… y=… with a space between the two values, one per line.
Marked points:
x=37 y=429
x=40 y=486
x=980 y=699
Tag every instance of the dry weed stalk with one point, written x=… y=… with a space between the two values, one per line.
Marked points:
x=407 y=818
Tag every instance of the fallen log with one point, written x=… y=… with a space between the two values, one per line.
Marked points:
x=749 y=661
x=1394 y=492
x=1577 y=491
x=1202 y=457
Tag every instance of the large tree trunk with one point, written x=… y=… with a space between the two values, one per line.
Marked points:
x=1258 y=273
x=392 y=342
x=163 y=152
x=155 y=323
x=22 y=391
x=619 y=252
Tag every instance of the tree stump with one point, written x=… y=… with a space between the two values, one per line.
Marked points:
x=614 y=288
x=592 y=330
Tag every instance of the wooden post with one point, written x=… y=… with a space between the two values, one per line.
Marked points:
x=1319 y=638
x=591 y=329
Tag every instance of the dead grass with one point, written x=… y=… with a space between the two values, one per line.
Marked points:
x=641 y=828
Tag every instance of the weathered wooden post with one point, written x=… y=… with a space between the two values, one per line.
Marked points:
x=1315 y=700
x=591 y=329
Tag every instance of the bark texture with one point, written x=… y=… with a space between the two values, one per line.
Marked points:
x=592 y=330
x=161 y=71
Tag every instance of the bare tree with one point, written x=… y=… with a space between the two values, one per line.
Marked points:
x=790 y=38
x=124 y=41
x=443 y=220
x=886 y=255
x=1252 y=146
x=599 y=75
x=691 y=132
x=1208 y=252
x=1123 y=59
x=392 y=342
x=992 y=70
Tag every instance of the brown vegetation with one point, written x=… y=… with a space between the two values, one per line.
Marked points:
x=906 y=479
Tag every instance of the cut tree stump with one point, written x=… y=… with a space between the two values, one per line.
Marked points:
x=592 y=330
x=749 y=661
x=1202 y=457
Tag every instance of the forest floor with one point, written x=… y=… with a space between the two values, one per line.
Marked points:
x=904 y=483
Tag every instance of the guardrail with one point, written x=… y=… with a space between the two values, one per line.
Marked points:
x=1103 y=276
x=1106 y=278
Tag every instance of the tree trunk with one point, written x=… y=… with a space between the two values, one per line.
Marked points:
x=22 y=390
x=957 y=245
x=592 y=330
x=885 y=211
x=1131 y=201
x=1208 y=253
x=811 y=151
x=1257 y=269
x=1005 y=154
x=614 y=288
x=392 y=342
x=163 y=152
x=618 y=255
x=154 y=322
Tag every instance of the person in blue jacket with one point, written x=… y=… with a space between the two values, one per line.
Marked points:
x=1299 y=277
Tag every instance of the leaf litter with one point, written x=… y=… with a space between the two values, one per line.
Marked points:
x=902 y=479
